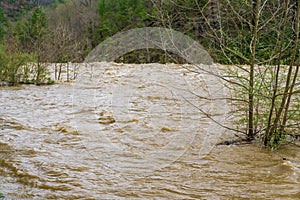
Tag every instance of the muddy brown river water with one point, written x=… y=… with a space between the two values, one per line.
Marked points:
x=133 y=132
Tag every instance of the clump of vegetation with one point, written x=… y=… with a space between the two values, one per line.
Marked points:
x=2 y=197
x=21 y=68
x=260 y=42
x=287 y=126
x=10 y=67
x=21 y=56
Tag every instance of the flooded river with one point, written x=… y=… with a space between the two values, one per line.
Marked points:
x=133 y=132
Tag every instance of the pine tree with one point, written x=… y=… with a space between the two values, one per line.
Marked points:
x=37 y=24
x=120 y=15
x=3 y=24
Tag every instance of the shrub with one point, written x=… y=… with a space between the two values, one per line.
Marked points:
x=16 y=68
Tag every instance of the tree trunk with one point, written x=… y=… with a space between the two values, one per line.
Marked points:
x=295 y=51
x=277 y=70
x=255 y=20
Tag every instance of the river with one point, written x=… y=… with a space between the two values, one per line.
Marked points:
x=133 y=132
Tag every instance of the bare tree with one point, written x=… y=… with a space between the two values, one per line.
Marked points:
x=256 y=44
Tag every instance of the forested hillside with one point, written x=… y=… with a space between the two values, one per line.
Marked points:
x=13 y=8
x=73 y=27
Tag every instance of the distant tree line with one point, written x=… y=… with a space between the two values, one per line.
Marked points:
x=15 y=8
x=74 y=27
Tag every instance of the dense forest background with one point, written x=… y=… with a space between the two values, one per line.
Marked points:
x=66 y=30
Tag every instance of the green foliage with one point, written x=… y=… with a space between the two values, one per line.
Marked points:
x=37 y=23
x=10 y=67
x=263 y=89
x=3 y=24
x=16 y=68
x=280 y=138
x=2 y=197
x=29 y=32
x=119 y=15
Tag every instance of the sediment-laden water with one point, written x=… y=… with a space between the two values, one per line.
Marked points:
x=133 y=131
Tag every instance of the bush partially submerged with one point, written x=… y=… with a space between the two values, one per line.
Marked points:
x=2 y=196
x=21 y=68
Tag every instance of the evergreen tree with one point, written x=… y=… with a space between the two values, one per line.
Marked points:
x=3 y=24
x=30 y=32
x=121 y=15
x=37 y=24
